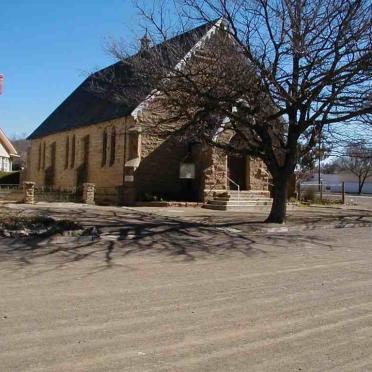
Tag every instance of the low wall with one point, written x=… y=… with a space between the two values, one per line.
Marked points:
x=57 y=196
x=11 y=195
x=108 y=195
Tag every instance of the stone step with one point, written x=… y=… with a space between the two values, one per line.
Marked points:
x=242 y=198
x=244 y=193
x=235 y=200
x=233 y=207
x=242 y=202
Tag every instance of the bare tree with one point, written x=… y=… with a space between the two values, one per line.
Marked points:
x=358 y=160
x=22 y=146
x=279 y=73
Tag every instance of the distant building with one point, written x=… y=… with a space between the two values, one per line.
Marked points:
x=7 y=153
x=334 y=181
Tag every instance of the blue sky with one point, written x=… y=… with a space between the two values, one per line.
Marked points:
x=47 y=47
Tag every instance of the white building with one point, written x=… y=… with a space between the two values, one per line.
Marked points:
x=333 y=182
x=7 y=153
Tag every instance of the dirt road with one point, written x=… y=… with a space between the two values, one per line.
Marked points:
x=231 y=302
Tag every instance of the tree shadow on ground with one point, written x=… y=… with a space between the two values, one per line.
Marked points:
x=134 y=235
x=114 y=234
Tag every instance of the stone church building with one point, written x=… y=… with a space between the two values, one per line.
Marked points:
x=98 y=139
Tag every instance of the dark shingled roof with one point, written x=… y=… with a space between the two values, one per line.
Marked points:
x=94 y=102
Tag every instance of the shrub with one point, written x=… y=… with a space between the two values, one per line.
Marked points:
x=11 y=178
x=308 y=195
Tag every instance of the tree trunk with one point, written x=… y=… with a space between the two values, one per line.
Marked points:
x=280 y=196
x=359 y=185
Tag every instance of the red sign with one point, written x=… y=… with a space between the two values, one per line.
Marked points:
x=1 y=84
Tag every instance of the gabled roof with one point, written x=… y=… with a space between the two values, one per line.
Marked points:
x=4 y=140
x=95 y=101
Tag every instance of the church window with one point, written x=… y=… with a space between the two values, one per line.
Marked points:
x=67 y=152
x=39 y=157
x=44 y=155
x=104 y=148
x=113 y=147
x=73 y=150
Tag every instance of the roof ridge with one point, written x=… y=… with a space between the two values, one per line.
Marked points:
x=7 y=144
x=84 y=107
x=161 y=43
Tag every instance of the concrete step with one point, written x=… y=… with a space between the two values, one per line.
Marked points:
x=233 y=207
x=234 y=200
x=240 y=202
x=248 y=193
x=242 y=198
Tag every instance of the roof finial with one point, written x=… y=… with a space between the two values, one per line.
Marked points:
x=145 y=42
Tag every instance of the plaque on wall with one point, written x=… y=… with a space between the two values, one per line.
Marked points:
x=129 y=178
x=187 y=170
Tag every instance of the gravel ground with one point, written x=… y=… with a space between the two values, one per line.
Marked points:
x=154 y=294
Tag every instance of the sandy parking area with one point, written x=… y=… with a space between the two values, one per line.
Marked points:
x=154 y=294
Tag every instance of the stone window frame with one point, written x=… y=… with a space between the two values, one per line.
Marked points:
x=112 y=146
x=44 y=156
x=104 y=147
x=133 y=143
x=73 y=151
x=67 y=152
x=39 y=156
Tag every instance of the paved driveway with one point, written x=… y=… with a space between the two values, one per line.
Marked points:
x=154 y=294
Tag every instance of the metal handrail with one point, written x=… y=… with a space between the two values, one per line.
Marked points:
x=229 y=179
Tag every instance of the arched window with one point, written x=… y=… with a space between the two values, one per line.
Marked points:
x=39 y=157
x=44 y=154
x=73 y=150
x=113 y=146
x=67 y=152
x=104 y=148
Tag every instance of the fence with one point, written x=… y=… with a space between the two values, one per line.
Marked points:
x=50 y=194
x=308 y=191
x=31 y=193
x=108 y=195
x=11 y=193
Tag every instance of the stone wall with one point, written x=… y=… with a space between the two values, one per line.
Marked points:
x=146 y=164
x=66 y=172
x=159 y=171
x=258 y=175
x=215 y=173
x=11 y=195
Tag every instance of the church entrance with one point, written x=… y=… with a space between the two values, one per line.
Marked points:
x=237 y=172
